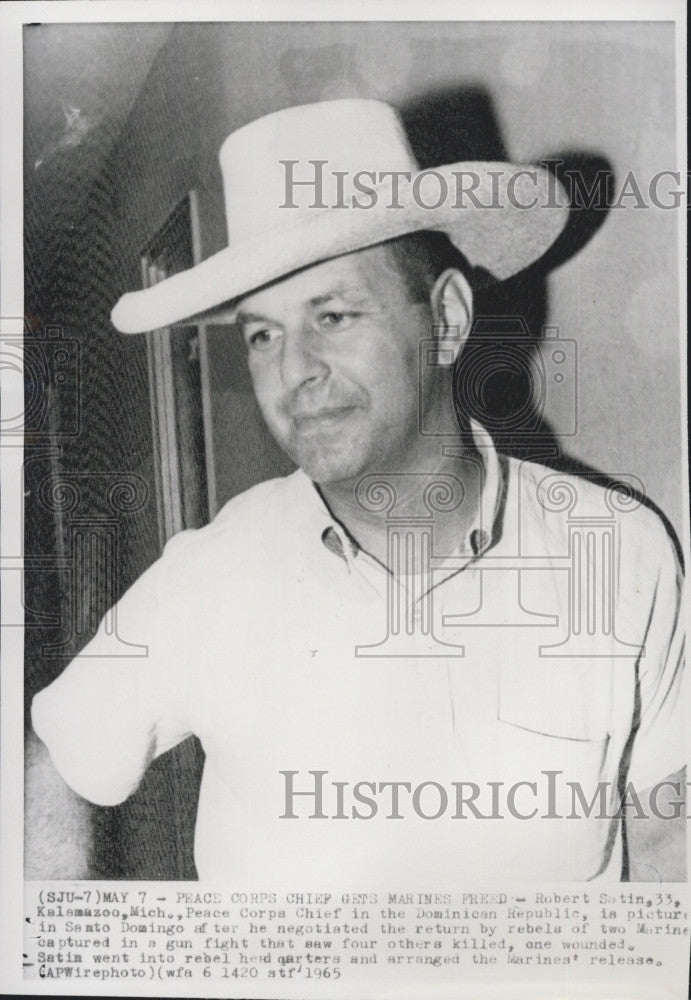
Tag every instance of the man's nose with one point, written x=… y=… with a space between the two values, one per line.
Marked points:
x=301 y=361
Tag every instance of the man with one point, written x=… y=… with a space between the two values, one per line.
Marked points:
x=412 y=661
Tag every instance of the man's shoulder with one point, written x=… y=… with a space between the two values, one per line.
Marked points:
x=245 y=521
x=560 y=499
x=272 y=500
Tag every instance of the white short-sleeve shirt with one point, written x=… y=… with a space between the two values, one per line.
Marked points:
x=528 y=675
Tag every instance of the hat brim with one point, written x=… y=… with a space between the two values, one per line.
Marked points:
x=506 y=222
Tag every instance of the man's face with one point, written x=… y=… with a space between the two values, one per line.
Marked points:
x=333 y=355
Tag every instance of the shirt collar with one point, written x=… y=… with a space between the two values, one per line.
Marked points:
x=480 y=536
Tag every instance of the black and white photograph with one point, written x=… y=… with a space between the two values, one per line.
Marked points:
x=345 y=490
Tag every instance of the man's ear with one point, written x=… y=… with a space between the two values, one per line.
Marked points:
x=452 y=309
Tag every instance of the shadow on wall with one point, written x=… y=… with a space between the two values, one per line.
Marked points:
x=506 y=373
x=501 y=379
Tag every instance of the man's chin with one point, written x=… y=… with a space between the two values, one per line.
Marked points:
x=327 y=470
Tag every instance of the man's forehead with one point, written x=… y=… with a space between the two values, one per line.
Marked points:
x=361 y=275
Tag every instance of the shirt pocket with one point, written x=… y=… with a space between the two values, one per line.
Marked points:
x=554 y=716
x=557 y=698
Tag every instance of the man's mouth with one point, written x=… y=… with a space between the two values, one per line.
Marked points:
x=324 y=418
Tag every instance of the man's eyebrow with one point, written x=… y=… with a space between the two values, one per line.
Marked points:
x=242 y=316
x=247 y=316
x=335 y=293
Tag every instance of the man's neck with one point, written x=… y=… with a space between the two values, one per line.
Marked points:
x=443 y=492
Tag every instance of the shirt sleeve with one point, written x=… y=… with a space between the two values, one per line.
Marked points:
x=659 y=743
x=121 y=702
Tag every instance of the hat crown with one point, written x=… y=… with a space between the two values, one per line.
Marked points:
x=269 y=169
x=336 y=155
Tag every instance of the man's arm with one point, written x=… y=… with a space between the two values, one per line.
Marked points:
x=654 y=595
x=57 y=822
x=122 y=702
x=657 y=843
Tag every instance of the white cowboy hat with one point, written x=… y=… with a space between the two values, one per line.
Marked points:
x=312 y=182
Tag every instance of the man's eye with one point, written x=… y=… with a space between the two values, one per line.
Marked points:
x=337 y=320
x=261 y=338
